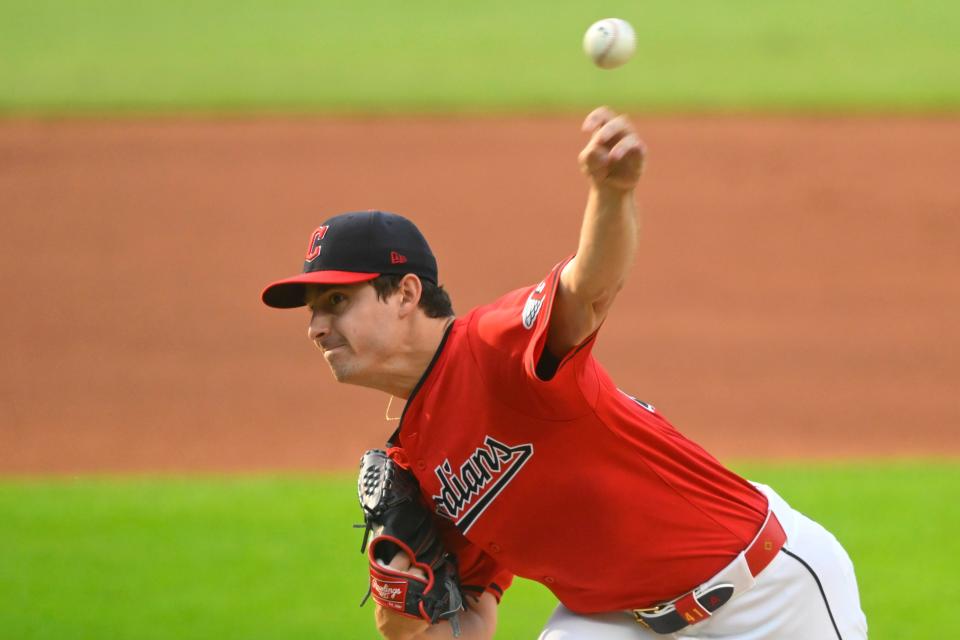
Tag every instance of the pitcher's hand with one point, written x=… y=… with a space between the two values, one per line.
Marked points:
x=613 y=157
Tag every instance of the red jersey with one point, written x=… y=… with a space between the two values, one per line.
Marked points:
x=567 y=481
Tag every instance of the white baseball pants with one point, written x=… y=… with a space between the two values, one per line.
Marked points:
x=808 y=592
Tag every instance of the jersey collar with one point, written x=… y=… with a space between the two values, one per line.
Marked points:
x=394 y=439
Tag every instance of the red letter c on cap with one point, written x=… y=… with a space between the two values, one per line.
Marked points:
x=313 y=249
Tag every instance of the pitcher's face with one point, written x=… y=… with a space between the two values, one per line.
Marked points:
x=355 y=330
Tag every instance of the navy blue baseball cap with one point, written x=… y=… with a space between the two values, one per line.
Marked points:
x=356 y=247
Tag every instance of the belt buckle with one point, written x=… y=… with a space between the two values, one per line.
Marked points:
x=686 y=610
x=639 y=618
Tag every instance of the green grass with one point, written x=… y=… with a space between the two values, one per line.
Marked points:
x=275 y=557
x=62 y=56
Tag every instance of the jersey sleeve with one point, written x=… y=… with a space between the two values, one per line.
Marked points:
x=537 y=313
x=508 y=339
x=479 y=572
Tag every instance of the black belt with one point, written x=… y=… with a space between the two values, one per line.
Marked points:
x=700 y=603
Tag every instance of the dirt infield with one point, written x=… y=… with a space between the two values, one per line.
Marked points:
x=797 y=291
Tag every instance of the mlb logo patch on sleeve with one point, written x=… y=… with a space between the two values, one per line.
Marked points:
x=532 y=308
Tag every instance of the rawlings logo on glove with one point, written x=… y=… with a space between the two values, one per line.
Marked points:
x=399 y=523
x=394 y=597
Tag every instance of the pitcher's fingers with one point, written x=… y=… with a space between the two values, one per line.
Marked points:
x=627 y=145
x=597 y=118
x=613 y=131
x=400 y=562
x=417 y=571
x=593 y=156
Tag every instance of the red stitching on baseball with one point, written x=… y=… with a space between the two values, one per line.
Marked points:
x=606 y=50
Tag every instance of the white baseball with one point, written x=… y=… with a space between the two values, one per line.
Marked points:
x=609 y=42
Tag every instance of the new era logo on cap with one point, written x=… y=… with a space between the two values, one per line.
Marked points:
x=356 y=247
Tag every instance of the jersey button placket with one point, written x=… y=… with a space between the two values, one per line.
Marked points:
x=421 y=465
x=495 y=548
x=549 y=579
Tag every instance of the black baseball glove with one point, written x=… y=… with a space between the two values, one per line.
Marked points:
x=398 y=521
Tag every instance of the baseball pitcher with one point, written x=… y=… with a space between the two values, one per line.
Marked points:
x=516 y=454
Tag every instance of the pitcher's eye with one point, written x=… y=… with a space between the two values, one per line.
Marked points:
x=336 y=298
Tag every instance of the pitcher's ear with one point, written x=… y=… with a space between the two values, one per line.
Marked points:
x=411 y=289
